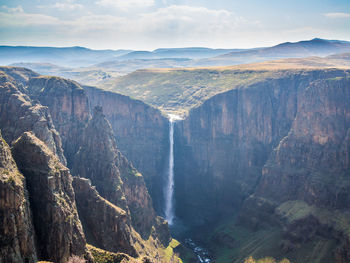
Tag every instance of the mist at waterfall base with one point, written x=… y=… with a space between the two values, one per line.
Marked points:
x=176 y=225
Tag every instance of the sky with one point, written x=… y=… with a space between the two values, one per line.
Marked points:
x=151 y=24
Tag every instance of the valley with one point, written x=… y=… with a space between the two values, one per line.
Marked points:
x=183 y=164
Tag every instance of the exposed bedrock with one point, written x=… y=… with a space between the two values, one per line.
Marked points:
x=141 y=133
x=68 y=105
x=57 y=226
x=18 y=114
x=114 y=177
x=16 y=226
x=223 y=145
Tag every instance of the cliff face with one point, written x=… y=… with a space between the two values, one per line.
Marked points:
x=277 y=154
x=105 y=224
x=315 y=151
x=306 y=180
x=114 y=177
x=222 y=146
x=18 y=113
x=56 y=222
x=141 y=133
x=123 y=218
x=123 y=204
x=68 y=105
x=16 y=228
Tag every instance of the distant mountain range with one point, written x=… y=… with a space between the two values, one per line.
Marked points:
x=315 y=47
x=191 y=52
x=125 y=61
x=66 y=56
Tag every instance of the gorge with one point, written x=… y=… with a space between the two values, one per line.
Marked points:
x=226 y=143
x=259 y=167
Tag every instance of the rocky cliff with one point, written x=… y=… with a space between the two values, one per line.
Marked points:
x=56 y=222
x=276 y=153
x=306 y=180
x=68 y=105
x=223 y=144
x=16 y=227
x=18 y=113
x=105 y=224
x=123 y=218
x=129 y=220
x=141 y=133
x=114 y=177
x=315 y=150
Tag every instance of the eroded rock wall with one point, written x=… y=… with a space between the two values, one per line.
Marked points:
x=141 y=134
x=56 y=221
x=16 y=227
x=221 y=148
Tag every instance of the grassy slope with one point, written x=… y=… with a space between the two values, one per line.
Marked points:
x=179 y=90
x=168 y=255
x=261 y=244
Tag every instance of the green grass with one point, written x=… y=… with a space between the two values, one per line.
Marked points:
x=103 y=256
x=179 y=90
x=170 y=255
x=265 y=260
x=295 y=210
x=238 y=242
x=263 y=246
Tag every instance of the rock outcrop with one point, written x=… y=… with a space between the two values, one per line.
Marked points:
x=16 y=228
x=56 y=222
x=105 y=224
x=108 y=227
x=116 y=209
x=312 y=162
x=277 y=153
x=221 y=148
x=68 y=106
x=141 y=132
x=114 y=177
x=19 y=74
x=306 y=180
x=18 y=114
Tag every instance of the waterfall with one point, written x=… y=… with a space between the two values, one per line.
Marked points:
x=169 y=188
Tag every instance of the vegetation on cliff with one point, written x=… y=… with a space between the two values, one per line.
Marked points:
x=179 y=90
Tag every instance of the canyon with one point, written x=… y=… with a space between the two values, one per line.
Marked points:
x=259 y=159
x=227 y=160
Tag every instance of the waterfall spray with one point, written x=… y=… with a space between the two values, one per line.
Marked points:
x=169 y=188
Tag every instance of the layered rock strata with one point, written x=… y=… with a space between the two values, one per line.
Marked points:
x=16 y=227
x=141 y=132
x=58 y=229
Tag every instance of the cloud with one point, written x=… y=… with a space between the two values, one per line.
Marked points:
x=126 y=4
x=67 y=5
x=337 y=15
x=12 y=9
x=17 y=17
x=175 y=25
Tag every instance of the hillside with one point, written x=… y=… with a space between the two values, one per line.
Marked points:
x=179 y=90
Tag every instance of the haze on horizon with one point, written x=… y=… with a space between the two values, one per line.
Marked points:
x=151 y=24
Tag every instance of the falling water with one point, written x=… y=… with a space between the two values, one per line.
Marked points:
x=169 y=188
